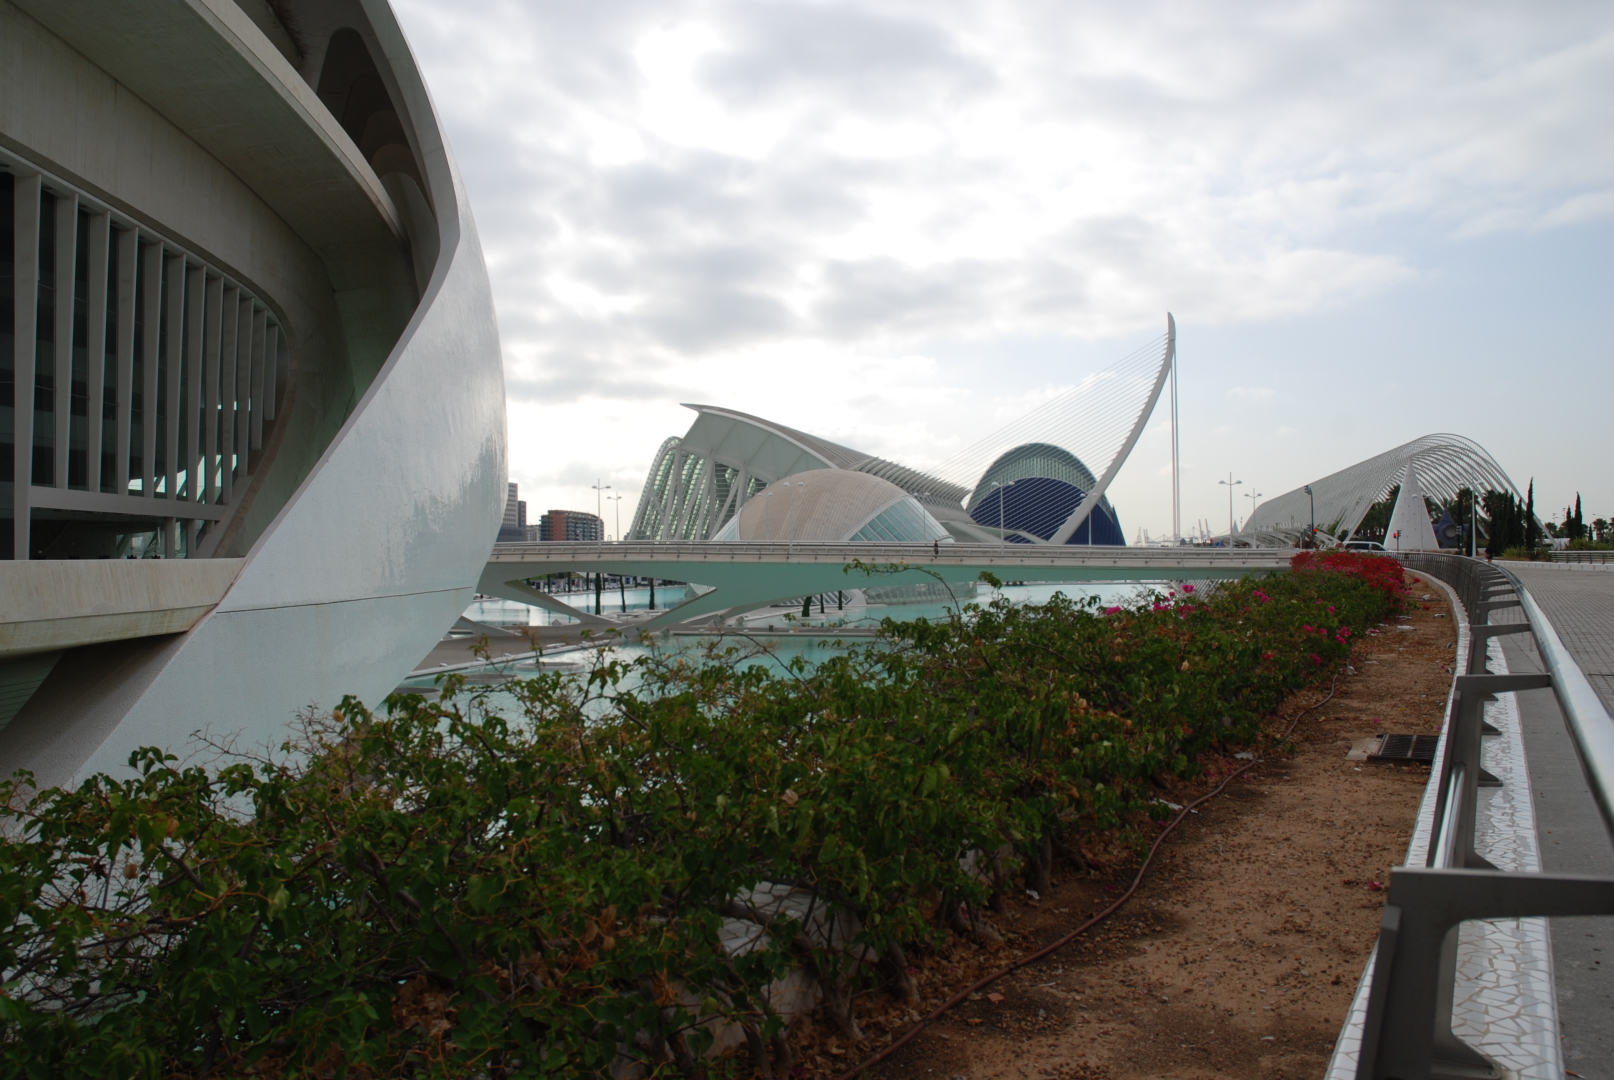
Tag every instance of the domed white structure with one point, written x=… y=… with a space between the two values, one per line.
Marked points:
x=249 y=303
x=834 y=506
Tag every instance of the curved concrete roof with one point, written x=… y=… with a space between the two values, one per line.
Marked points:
x=824 y=505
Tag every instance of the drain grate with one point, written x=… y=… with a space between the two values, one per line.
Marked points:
x=1407 y=748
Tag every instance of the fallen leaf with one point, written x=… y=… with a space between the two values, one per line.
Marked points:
x=995 y=998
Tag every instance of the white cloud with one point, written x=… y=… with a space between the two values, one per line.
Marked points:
x=724 y=201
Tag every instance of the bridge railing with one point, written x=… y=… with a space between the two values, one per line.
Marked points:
x=1583 y=556
x=1408 y=1029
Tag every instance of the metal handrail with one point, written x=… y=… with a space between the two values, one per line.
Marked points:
x=1591 y=728
x=1582 y=556
x=1406 y=1029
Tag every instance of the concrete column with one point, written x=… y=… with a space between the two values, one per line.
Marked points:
x=151 y=266
x=25 y=336
x=213 y=317
x=227 y=352
x=243 y=386
x=64 y=282
x=123 y=378
x=173 y=363
x=191 y=436
x=100 y=243
x=271 y=371
x=260 y=337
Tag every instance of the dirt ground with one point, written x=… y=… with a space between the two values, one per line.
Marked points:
x=1240 y=954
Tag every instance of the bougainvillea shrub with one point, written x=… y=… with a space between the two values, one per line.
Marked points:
x=434 y=891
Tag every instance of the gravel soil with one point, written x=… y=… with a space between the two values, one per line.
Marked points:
x=1240 y=954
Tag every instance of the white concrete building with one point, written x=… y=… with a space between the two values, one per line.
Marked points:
x=245 y=294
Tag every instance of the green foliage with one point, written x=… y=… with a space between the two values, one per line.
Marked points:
x=440 y=892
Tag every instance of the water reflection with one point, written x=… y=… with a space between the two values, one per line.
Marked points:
x=770 y=636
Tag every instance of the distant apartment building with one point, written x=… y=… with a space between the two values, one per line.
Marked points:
x=571 y=525
x=514 y=529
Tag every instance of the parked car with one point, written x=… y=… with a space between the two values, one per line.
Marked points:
x=1363 y=545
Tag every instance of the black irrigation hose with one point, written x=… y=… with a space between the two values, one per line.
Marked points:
x=1137 y=880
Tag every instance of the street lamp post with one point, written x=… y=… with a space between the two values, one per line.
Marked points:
x=1002 y=489
x=790 y=506
x=1252 y=496
x=1312 y=499
x=618 y=500
x=1230 y=484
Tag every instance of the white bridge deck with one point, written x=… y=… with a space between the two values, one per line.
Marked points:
x=743 y=576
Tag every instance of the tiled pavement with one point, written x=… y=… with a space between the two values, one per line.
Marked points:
x=1504 y=1001
x=1543 y=818
x=1580 y=603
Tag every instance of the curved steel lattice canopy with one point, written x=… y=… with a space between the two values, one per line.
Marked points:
x=1444 y=465
x=699 y=482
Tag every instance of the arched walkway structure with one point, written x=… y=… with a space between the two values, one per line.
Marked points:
x=1444 y=464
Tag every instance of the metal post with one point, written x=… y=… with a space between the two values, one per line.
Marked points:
x=1231 y=484
x=1176 y=458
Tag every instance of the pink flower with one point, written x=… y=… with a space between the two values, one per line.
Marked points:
x=1330 y=610
x=1306 y=627
x=1187 y=588
x=1112 y=611
x=1316 y=659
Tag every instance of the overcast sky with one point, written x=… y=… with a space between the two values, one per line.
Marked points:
x=899 y=225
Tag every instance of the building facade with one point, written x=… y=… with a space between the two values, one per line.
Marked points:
x=514 y=528
x=699 y=483
x=248 y=308
x=571 y=525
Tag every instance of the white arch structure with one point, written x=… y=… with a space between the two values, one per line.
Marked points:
x=1444 y=464
x=1099 y=420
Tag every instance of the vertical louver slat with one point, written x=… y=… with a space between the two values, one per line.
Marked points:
x=243 y=385
x=138 y=369
x=151 y=318
x=271 y=372
x=63 y=282
x=100 y=237
x=25 y=337
x=227 y=353
x=191 y=452
x=260 y=340
x=210 y=391
x=173 y=356
x=123 y=381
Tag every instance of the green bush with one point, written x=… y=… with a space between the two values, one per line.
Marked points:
x=434 y=891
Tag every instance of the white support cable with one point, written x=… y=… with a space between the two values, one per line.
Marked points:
x=1093 y=497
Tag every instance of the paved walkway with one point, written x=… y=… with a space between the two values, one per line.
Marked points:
x=1580 y=603
x=1573 y=839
